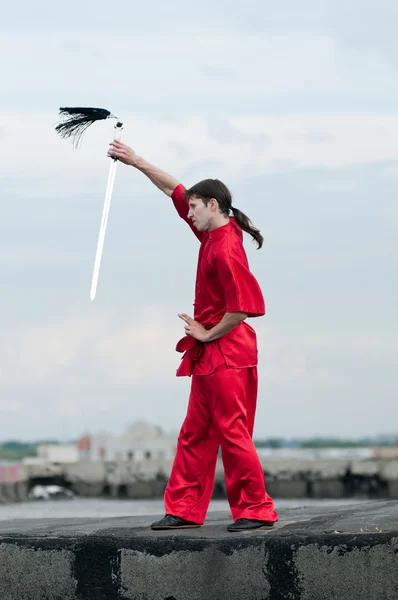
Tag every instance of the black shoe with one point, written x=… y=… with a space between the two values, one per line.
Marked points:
x=171 y=522
x=247 y=524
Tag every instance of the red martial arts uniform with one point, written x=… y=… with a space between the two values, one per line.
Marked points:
x=223 y=396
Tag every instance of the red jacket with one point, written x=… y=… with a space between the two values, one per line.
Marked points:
x=224 y=284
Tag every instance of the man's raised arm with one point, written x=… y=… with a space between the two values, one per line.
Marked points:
x=162 y=180
x=126 y=155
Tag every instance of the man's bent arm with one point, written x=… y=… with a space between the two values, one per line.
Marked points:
x=227 y=324
x=165 y=182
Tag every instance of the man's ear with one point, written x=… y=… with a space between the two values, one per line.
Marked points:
x=213 y=204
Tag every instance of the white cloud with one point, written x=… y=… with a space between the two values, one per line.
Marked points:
x=97 y=345
x=9 y=405
x=262 y=145
x=31 y=256
x=306 y=357
x=85 y=372
x=126 y=351
x=342 y=185
x=39 y=353
x=195 y=72
x=323 y=141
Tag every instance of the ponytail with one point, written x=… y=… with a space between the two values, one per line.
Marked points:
x=244 y=223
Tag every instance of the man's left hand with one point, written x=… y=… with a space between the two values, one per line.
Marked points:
x=194 y=328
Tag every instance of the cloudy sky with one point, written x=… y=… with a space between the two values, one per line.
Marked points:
x=294 y=106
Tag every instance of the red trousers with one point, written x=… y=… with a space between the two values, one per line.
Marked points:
x=220 y=412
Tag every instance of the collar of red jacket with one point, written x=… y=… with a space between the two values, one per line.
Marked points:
x=220 y=231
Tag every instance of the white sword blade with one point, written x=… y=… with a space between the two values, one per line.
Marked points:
x=104 y=221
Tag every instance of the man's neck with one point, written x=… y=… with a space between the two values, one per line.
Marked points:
x=218 y=223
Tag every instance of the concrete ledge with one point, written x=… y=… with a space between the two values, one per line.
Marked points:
x=315 y=553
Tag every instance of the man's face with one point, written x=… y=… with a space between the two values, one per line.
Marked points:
x=200 y=213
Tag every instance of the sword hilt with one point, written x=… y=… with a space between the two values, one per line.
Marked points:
x=118 y=135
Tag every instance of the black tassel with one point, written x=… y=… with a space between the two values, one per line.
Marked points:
x=77 y=120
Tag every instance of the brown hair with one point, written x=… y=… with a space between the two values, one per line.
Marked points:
x=214 y=188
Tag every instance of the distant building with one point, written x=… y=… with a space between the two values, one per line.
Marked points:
x=141 y=441
x=84 y=446
x=54 y=453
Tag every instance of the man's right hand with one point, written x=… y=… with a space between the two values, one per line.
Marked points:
x=124 y=153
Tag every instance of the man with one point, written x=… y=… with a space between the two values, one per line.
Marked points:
x=220 y=353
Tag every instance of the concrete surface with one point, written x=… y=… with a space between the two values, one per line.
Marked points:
x=314 y=553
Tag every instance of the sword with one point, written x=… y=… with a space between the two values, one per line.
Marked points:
x=105 y=215
x=75 y=122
